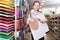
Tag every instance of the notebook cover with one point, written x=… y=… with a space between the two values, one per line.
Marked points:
x=6 y=21
x=6 y=33
x=1 y=14
x=3 y=27
x=6 y=6
x=7 y=3
x=4 y=12
x=5 y=30
x=6 y=37
x=6 y=24
x=6 y=9
x=6 y=18
x=11 y=1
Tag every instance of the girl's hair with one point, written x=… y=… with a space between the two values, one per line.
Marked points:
x=36 y=2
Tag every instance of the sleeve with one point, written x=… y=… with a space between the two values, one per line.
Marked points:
x=28 y=19
x=29 y=16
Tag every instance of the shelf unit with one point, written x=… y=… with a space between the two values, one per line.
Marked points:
x=7 y=19
x=54 y=25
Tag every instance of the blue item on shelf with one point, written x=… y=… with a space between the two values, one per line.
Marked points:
x=20 y=13
x=20 y=33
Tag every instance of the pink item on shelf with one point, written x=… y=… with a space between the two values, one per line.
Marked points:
x=5 y=18
x=17 y=11
x=6 y=27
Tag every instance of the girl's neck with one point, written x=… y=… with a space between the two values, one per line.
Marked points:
x=35 y=11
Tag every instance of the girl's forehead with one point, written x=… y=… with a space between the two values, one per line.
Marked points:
x=36 y=3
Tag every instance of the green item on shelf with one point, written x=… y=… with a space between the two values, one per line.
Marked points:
x=6 y=33
x=6 y=37
x=11 y=38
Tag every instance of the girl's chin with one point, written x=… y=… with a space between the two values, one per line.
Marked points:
x=36 y=9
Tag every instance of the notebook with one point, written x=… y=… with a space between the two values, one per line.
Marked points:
x=6 y=6
x=6 y=30
x=11 y=1
x=6 y=33
x=9 y=27
x=6 y=9
x=6 y=37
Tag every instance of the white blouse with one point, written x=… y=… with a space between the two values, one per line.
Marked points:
x=43 y=27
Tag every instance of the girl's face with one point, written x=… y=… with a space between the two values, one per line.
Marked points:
x=36 y=6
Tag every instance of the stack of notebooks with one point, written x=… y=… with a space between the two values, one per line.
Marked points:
x=6 y=20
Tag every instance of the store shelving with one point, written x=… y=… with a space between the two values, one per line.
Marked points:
x=7 y=19
x=21 y=15
x=54 y=25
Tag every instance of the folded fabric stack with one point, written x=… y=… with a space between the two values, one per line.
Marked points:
x=6 y=20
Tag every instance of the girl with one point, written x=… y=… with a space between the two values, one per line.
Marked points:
x=37 y=22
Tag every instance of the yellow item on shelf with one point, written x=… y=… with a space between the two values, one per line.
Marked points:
x=7 y=9
x=6 y=3
x=11 y=1
x=6 y=6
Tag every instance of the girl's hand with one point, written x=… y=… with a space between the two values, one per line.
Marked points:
x=33 y=24
x=29 y=20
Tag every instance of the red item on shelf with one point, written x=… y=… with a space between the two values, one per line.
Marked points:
x=17 y=24
x=5 y=18
x=22 y=38
x=6 y=22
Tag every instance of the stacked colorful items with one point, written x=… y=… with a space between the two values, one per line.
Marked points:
x=54 y=26
x=6 y=20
